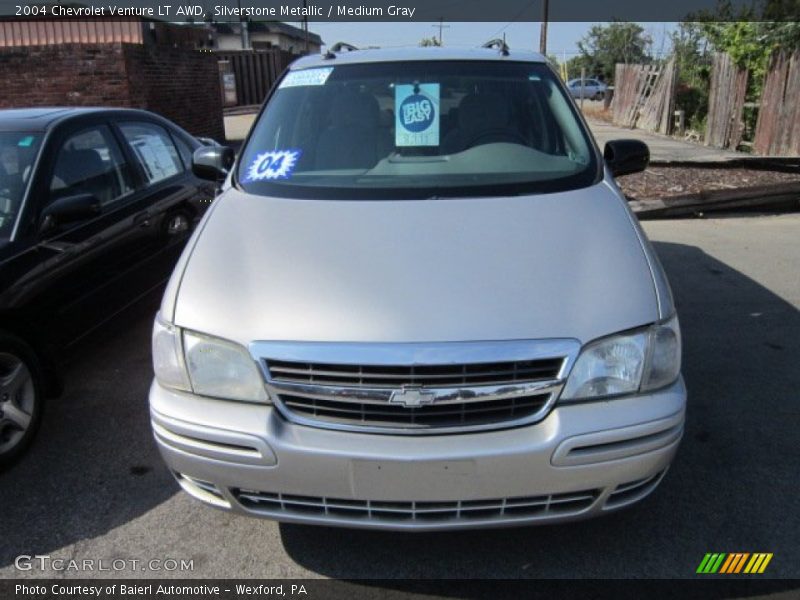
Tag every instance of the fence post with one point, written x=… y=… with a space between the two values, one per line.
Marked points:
x=583 y=84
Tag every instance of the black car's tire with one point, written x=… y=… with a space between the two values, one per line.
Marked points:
x=21 y=398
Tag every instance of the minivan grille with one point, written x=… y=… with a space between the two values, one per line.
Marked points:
x=447 y=375
x=456 y=414
x=378 y=510
x=415 y=388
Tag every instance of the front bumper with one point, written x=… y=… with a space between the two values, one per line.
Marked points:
x=582 y=460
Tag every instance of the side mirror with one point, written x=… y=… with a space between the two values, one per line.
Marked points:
x=69 y=209
x=207 y=141
x=626 y=156
x=212 y=162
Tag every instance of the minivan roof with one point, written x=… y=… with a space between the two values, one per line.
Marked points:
x=376 y=55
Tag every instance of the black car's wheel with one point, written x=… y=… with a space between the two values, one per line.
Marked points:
x=21 y=398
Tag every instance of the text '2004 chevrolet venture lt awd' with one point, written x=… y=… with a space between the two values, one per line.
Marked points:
x=421 y=302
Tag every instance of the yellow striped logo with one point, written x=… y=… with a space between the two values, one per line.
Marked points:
x=734 y=563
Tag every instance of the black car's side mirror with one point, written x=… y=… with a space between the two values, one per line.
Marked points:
x=69 y=209
x=626 y=156
x=212 y=162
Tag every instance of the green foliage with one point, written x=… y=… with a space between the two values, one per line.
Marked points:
x=694 y=102
x=693 y=60
x=606 y=45
x=691 y=52
x=748 y=40
x=738 y=32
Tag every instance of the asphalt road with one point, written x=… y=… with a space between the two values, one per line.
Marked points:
x=93 y=486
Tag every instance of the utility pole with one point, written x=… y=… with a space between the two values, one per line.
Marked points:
x=243 y=33
x=441 y=26
x=305 y=22
x=543 y=31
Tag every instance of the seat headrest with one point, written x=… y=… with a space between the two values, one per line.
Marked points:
x=480 y=112
x=351 y=108
x=74 y=166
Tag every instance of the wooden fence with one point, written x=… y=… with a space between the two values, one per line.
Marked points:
x=631 y=85
x=656 y=114
x=644 y=96
x=255 y=72
x=724 y=124
x=778 y=125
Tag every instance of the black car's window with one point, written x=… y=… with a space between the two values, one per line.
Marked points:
x=91 y=162
x=17 y=153
x=154 y=149
x=185 y=151
x=418 y=130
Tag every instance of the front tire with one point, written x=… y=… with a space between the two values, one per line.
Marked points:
x=21 y=398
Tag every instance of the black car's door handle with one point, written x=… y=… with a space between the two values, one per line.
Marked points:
x=142 y=219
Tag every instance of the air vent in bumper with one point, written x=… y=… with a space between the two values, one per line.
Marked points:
x=275 y=504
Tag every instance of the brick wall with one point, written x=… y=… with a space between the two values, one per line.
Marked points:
x=180 y=84
x=66 y=75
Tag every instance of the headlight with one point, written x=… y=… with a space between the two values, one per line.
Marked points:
x=168 y=356
x=624 y=364
x=664 y=363
x=222 y=369
x=206 y=365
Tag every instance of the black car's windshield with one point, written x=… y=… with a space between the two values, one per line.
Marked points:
x=417 y=129
x=17 y=154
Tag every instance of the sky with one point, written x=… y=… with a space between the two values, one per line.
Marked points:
x=562 y=37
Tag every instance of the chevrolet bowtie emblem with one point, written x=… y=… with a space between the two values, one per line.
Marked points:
x=411 y=397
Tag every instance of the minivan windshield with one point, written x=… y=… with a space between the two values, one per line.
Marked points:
x=417 y=129
x=17 y=154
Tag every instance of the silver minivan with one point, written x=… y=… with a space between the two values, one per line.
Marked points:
x=420 y=302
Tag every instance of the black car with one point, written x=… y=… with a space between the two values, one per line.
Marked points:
x=95 y=207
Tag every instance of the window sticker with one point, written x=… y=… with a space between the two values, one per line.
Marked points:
x=277 y=164
x=417 y=118
x=154 y=154
x=306 y=77
x=26 y=142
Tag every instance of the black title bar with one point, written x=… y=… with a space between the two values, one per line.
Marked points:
x=403 y=10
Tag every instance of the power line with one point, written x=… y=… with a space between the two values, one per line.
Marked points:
x=515 y=19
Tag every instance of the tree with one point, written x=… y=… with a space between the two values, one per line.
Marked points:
x=748 y=38
x=692 y=53
x=431 y=41
x=606 y=45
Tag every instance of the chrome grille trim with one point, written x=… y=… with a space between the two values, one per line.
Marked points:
x=369 y=395
x=432 y=359
x=549 y=505
x=425 y=375
x=438 y=416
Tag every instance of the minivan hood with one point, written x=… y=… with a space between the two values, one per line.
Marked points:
x=565 y=265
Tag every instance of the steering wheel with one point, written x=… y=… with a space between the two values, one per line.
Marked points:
x=504 y=135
